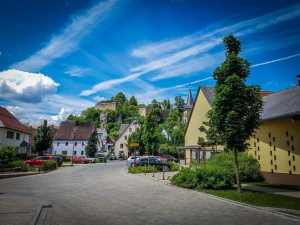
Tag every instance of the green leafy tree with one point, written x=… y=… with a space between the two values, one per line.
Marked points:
x=179 y=105
x=237 y=106
x=166 y=104
x=91 y=147
x=42 y=138
x=150 y=135
x=7 y=154
x=133 y=101
x=71 y=117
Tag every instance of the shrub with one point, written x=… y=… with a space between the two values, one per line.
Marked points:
x=204 y=177
x=18 y=163
x=248 y=165
x=141 y=169
x=174 y=166
x=7 y=154
x=52 y=162
x=21 y=156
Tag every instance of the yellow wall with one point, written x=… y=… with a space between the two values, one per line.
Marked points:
x=201 y=107
x=277 y=146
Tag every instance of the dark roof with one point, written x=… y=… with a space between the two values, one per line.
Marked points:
x=66 y=131
x=8 y=121
x=208 y=93
x=25 y=144
x=123 y=128
x=282 y=104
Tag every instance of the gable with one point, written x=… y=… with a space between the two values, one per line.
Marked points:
x=7 y=120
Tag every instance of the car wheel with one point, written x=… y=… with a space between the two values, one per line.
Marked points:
x=28 y=164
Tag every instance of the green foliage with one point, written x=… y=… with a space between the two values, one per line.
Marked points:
x=166 y=149
x=179 y=104
x=133 y=101
x=174 y=166
x=18 y=163
x=42 y=138
x=31 y=156
x=248 y=166
x=91 y=147
x=204 y=177
x=21 y=156
x=7 y=154
x=52 y=162
x=141 y=169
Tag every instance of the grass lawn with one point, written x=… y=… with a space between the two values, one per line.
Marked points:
x=280 y=186
x=257 y=198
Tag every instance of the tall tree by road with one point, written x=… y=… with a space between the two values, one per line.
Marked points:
x=42 y=138
x=91 y=147
x=236 y=107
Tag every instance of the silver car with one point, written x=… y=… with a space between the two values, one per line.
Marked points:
x=130 y=160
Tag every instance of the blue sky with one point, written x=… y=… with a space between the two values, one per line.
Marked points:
x=60 y=57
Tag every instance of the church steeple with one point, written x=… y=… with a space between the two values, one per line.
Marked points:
x=189 y=101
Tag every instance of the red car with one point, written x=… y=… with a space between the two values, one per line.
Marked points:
x=161 y=158
x=78 y=159
x=38 y=161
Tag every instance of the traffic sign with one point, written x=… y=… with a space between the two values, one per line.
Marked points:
x=134 y=144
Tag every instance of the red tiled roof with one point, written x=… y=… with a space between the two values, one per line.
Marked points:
x=265 y=93
x=66 y=131
x=8 y=121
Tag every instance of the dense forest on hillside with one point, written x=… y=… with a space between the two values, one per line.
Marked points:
x=157 y=134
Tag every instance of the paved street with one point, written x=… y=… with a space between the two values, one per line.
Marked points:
x=106 y=194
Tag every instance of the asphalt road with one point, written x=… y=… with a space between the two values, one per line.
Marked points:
x=106 y=194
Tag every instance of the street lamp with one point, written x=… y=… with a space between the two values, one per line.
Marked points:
x=134 y=151
x=74 y=132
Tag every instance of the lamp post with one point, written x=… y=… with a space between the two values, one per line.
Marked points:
x=74 y=132
x=134 y=151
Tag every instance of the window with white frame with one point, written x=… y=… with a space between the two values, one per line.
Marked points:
x=64 y=152
x=121 y=145
x=130 y=129
x=18 y=136
x=67 y=143
x=82 y=152
x=125 y=137
x=82 y=143
x=76 y=143
x=57 y=143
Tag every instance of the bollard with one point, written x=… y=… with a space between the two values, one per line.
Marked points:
x=163 y=172
x=153 y=171
x=145 y=169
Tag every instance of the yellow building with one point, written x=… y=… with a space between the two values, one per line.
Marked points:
x=277 y=143
x=202 y=104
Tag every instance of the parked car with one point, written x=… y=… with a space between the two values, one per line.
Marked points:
x=38 y=161
x=161 y=158
x=121 y=156
x=58 y=159
x=152 y=161
x=112 y=156
x=77 y=159
x=172 y=158
x=130 y=160
x=89 y=159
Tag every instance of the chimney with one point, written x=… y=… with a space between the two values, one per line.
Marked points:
x=298 y=76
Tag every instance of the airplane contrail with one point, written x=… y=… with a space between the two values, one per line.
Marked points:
x=276 y=60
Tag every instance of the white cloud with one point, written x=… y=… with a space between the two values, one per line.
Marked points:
x=276 y=60
x=70 y=38
x=25 y=86
x=98 y=98
x=76 y=71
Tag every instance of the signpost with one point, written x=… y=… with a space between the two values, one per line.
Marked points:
x=134 y=144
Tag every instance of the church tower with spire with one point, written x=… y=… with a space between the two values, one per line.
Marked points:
x=188 y=106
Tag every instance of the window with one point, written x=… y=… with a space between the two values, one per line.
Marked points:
x=272 y=171
x=17 y=149
x=273 y=139
x=270 y=143
x=130 y=129
x=271 y=162
x=55 y=153
x=82 y=143
x=274 y=148
x=288 y=143
x=10 y=135
x=258 y=157
x=57 y=143
x=292 y=147
x=270 y=152
x=287 y=133
x=67 y=143
x=254 y=152
x=274 y=157
x=257 y=140
x=269 y=135
x=294 y=167
x=275 y=167
x=75 y=152
x=289 y=153
x=82 y=153
x=293 y=158
x=18 y=136
x=289 y=162
x=292 y=138
x=290 y=172
x=254 y=144
x=121 y=145
x=125 y=137
x=258 y=148
x=253 y=135
x=64 y=152
x=75 y=143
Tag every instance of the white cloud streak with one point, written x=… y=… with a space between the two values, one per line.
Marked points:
x=69 y=39
x=170 y=54
x=276 y=60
